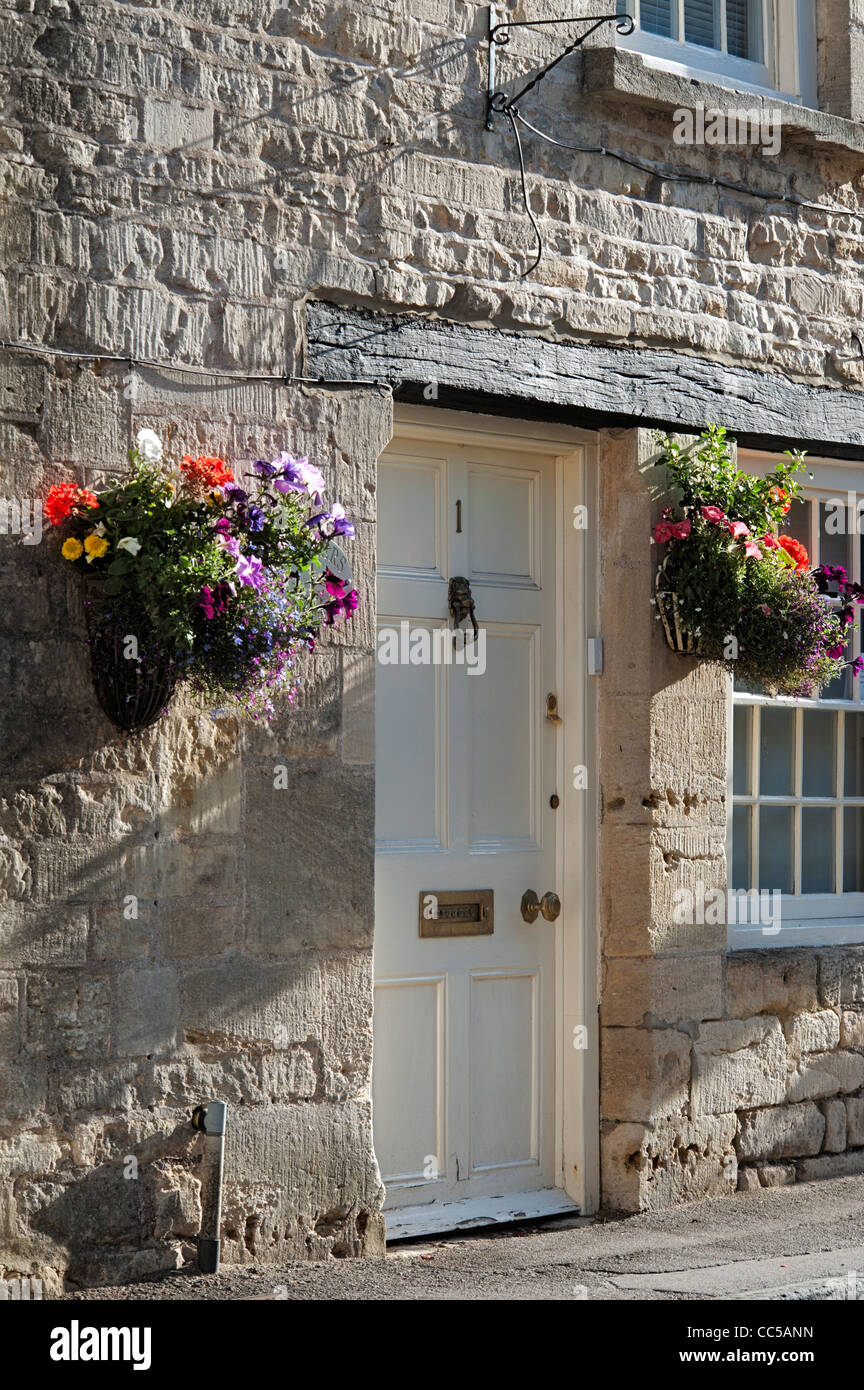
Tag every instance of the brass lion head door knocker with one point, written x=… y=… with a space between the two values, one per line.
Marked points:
x=461 y=605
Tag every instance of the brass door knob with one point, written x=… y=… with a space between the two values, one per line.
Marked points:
x=549 y=906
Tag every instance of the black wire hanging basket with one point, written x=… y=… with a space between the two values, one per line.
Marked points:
x=133 y=681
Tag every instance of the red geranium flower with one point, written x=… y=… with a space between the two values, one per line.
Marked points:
x=797 y=552
x=64 y=498
x=206 y=473
x=780 y=494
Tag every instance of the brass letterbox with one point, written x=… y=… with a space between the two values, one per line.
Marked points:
x=457 y=912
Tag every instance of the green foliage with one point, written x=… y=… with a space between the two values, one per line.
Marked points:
x=743 y=587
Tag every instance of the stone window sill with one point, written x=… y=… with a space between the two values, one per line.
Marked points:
x=617 y=72
x=809 y=935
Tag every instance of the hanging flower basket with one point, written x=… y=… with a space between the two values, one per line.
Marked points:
x=133 y=687
x=734 y=586
x=195 y=578
x=679 y=638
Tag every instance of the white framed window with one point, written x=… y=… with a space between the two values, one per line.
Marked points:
x=796 y=767
x=764 y=46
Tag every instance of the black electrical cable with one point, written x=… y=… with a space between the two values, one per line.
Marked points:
x=667 y=175
x=132 y=362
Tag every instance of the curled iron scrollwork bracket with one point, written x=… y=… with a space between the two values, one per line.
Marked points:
x=499 y=103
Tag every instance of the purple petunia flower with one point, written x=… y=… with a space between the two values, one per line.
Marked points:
x=299 y=475
x=332 y=523
x=250 y=570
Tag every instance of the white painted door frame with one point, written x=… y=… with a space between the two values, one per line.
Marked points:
x=577 y=1164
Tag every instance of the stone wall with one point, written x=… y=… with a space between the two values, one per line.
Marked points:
x=718 y=1069
x=178 y=179
x=792 y=1065
x=176 y=921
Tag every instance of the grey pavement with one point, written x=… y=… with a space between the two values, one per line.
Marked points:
x=793 y=1243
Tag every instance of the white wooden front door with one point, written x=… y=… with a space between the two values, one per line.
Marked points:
x=467 y=766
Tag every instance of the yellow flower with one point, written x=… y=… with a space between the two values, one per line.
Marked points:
x=95 y=546
x=72 y=549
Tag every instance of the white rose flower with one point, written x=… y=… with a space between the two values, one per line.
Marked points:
x=129 y=543
x=149 y=445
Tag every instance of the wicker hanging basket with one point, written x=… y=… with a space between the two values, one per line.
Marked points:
x=134 y=691
x=679 y=638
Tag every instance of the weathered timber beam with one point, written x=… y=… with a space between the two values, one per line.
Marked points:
x=588 y=383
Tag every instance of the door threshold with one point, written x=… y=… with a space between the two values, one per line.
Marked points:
x=439 y=1218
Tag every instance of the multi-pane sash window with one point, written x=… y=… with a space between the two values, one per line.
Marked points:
x=755 y=45
x=730 y=26
x=797 y=774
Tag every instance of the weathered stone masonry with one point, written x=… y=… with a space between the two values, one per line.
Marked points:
x=178 y=181
x=718 y=1069
x=245 y=971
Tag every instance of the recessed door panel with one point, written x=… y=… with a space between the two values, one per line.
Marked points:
x=410 y=503
x=502 y=739
x=409 y=1077
x=411 y=742
x=506 y=1096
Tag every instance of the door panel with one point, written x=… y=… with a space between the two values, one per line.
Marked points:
x=464 y=1083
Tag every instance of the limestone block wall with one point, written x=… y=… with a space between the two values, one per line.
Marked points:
x=791 y=1058
x=718 y=1070
x=181 y=179
x=176 y=921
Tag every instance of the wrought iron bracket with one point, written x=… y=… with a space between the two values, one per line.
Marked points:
x=498 y=102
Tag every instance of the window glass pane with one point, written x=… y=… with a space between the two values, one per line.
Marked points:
x=775 y=848
x=840 y=688
x=655 y=17
x=834 y=550
x=817 y=849
x=820 y=731
x=741 y=724
x=833 y=540
x=853 y=850
x=744 y=29
x=741 y=847
x=853 y=770
x=700 y=23
x=798 y=522
x=775 y=752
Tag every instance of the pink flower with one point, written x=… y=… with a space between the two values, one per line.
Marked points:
x=229 y=543
x=662 y=532
x=771 y=543
x=738 y=528
x=681 y=530
x=763 y=608
x=836 y=652
x=752 y=550
x=714 y=515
